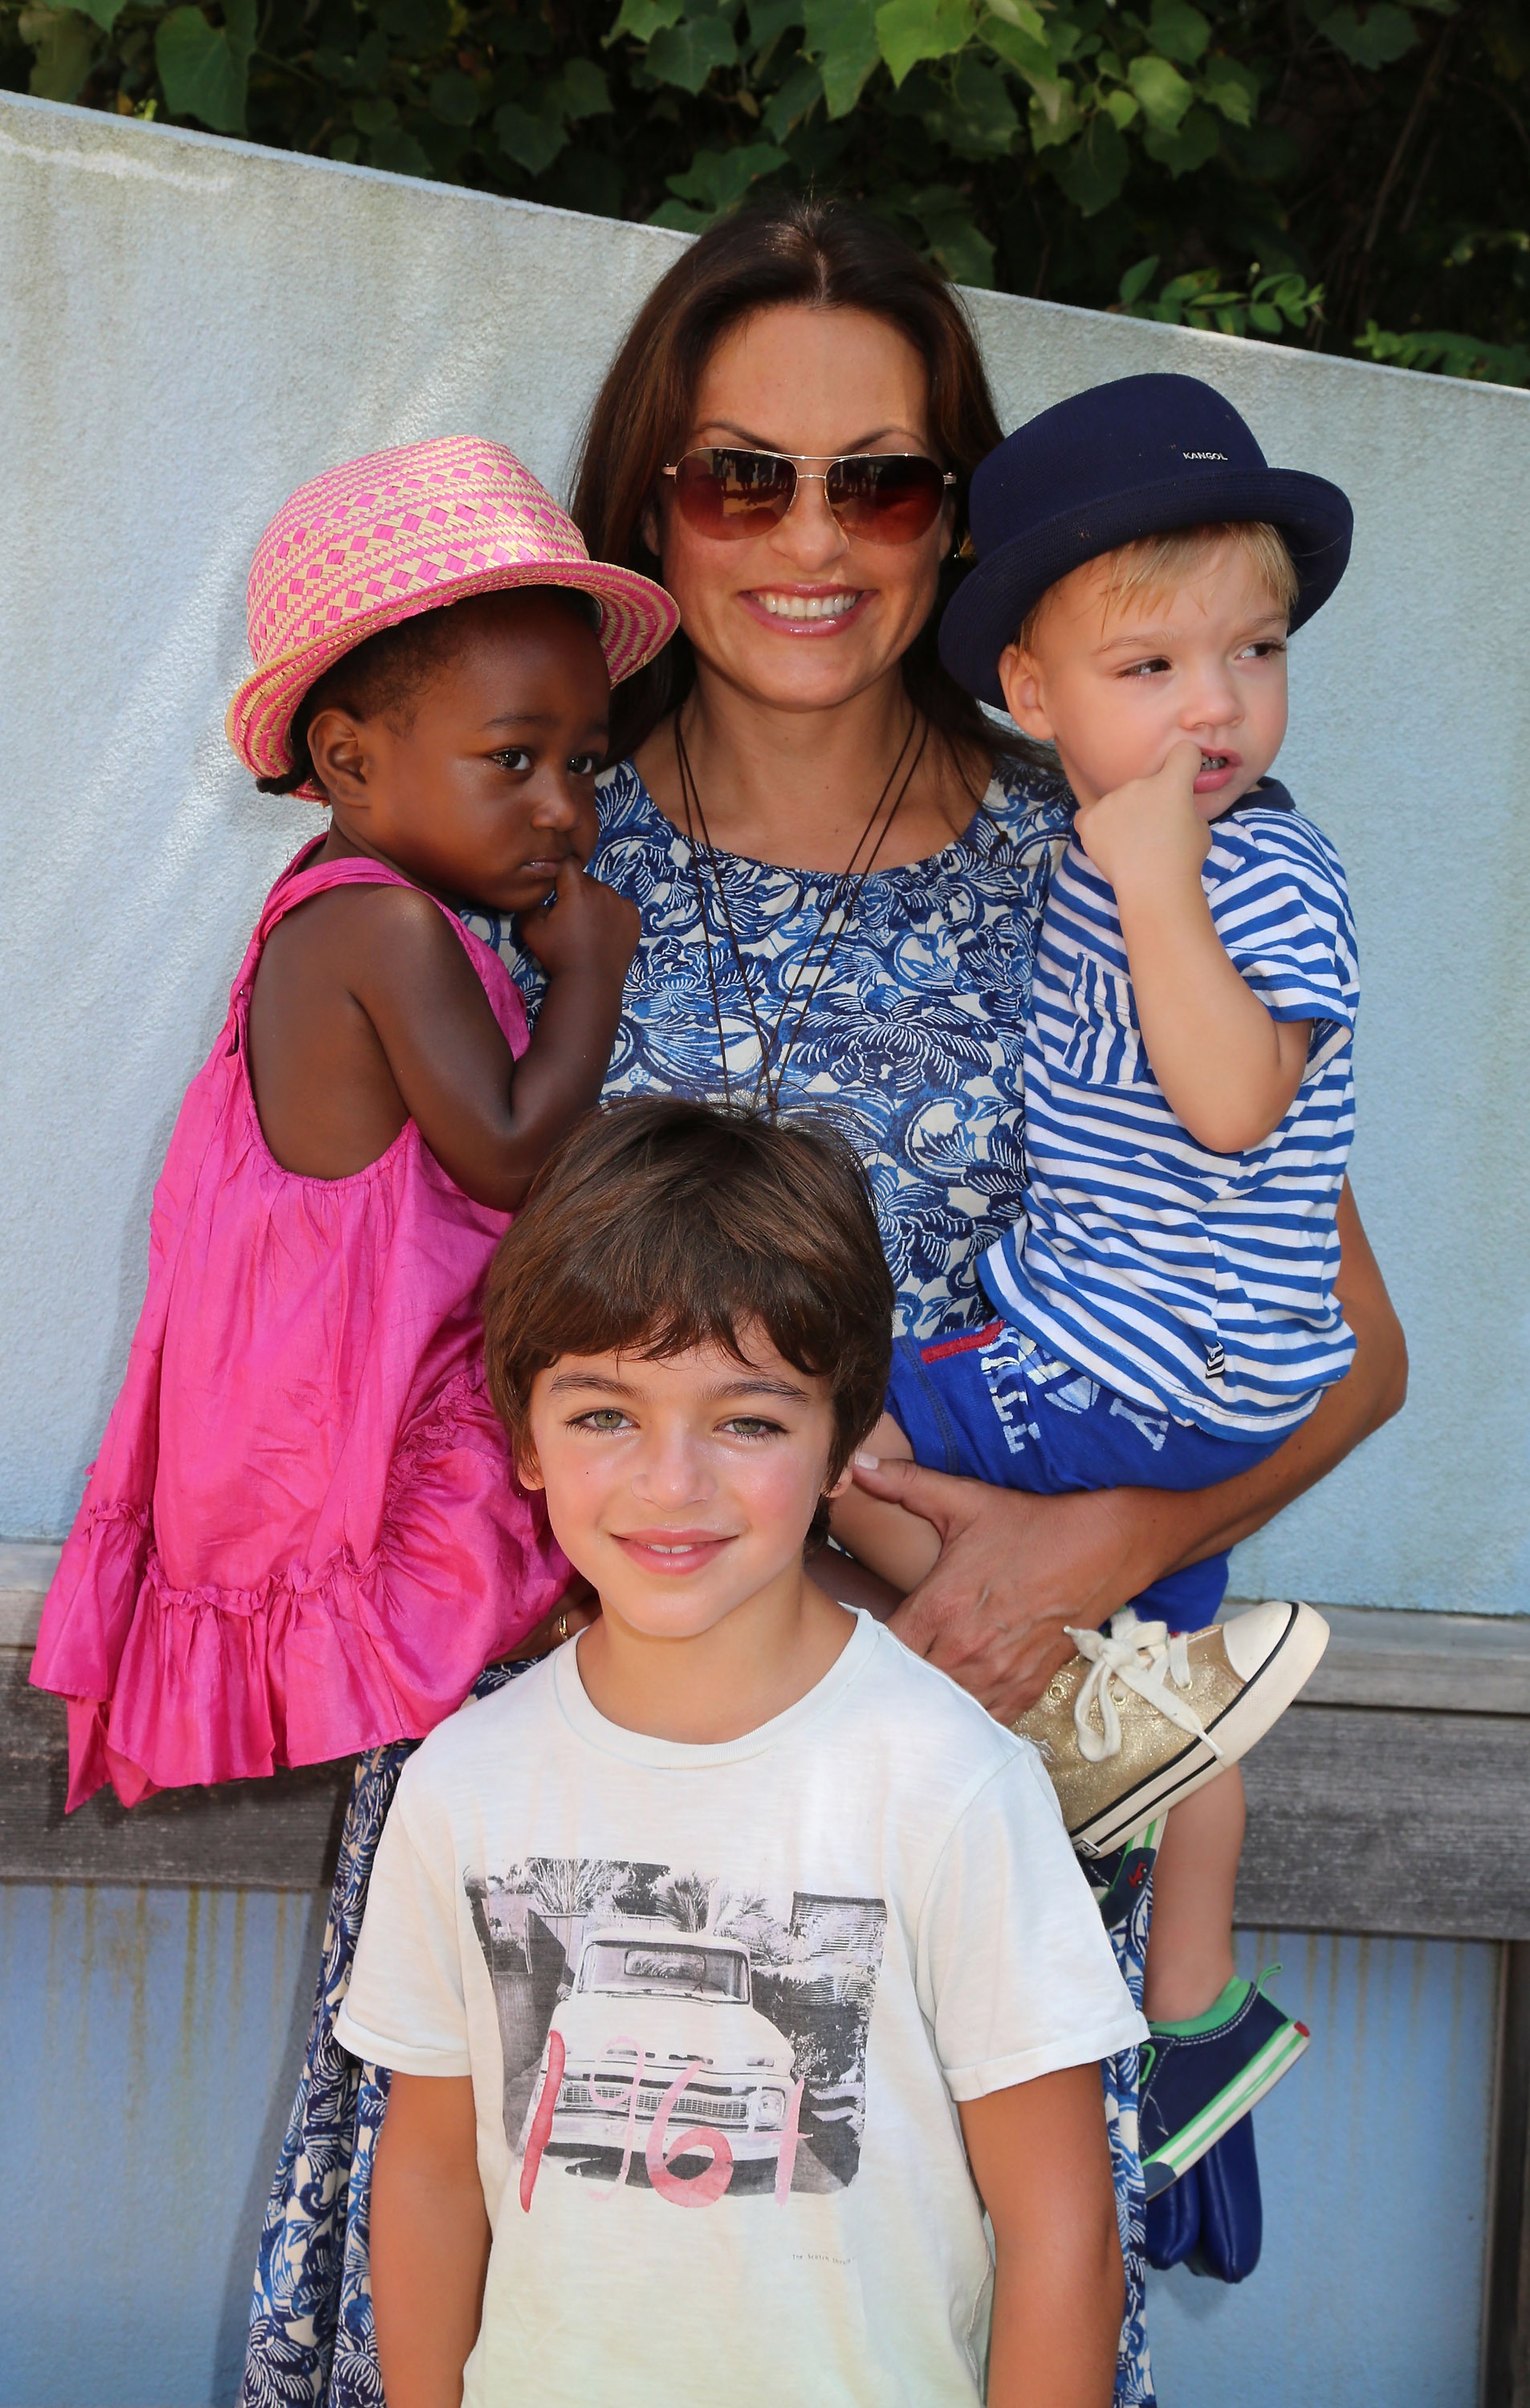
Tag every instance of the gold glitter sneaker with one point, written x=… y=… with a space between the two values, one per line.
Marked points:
x=1142 y=1716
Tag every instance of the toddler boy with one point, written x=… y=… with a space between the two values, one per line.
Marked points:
x=734 y=1905
x=1165 y=1306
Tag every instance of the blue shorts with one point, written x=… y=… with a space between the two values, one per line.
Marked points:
x=991 y=1404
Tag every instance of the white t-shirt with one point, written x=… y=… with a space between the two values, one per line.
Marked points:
x=752 y=1979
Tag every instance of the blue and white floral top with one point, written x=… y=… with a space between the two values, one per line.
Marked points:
x=914 y=1034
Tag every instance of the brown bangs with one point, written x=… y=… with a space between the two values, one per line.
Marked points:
x=662 y=1225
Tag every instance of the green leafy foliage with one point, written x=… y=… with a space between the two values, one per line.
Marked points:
x=1264 y=305
x=1373 y=40
x=205 y=68
x=1132 y=154
x=1459 y=355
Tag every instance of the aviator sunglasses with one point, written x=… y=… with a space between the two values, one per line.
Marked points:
x=881 y=496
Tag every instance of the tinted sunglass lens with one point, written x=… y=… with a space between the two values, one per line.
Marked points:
x=734 y=493
x=886 y=498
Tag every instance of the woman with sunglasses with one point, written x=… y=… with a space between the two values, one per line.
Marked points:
x=840 y=864
x=841 y=861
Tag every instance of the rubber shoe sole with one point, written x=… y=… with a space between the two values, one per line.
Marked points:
x=1237 y=2099
x=1245 y=1673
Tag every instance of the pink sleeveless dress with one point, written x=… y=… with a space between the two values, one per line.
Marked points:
x=303 y=1535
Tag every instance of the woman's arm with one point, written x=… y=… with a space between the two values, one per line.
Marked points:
x=429 y=2240
x=1015 y=1568
x=1042 y=2165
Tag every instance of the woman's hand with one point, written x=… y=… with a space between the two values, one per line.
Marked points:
x=1013 y=1569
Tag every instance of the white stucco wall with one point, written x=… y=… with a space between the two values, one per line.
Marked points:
x=190 y=327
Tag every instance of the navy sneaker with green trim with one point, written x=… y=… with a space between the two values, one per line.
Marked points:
x=1197 y=2078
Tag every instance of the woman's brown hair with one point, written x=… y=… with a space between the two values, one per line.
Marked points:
x=785 y=249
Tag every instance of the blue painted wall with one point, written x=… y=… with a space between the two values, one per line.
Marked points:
x=152 y=2041
x=1373 y=2160
x=150 y=2051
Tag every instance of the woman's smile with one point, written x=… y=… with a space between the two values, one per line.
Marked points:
x=806 y=609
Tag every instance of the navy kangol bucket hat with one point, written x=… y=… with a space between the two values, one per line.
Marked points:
x=1135 y=458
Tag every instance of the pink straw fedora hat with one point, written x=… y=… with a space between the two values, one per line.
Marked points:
x=380 y=540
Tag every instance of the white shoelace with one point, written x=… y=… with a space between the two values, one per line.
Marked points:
x=1142 y=1656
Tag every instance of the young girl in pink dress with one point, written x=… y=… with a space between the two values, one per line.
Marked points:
x=303 y=1536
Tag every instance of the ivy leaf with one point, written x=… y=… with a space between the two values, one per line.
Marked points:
x=717 y=181
x=768 y=20
x=1161 y=90
x=980 y=118
x=1179 y=31
x=685 y=55
x=585 y=92
x=1023 y=17
x=1137 y=280
x=1020 y=47
x=643 y=18
x=1188 y=147
x=964 y=252
x=1121 y=109
x=972 y=115
x=1231 y=87
x=1092 y=171
x=399 y=153
x=1055 y=116
x=372 y=61
x=911 y=30
x=531 y=142
x=788 y=107
x=841 y=36
x=1374 y=40
x=62 y=50
x=103 y=13
x=454 y=98
x=205 y=68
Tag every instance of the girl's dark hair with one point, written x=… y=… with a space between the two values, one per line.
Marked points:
x=784 y=248
x=660 y=1225
x=390 y=671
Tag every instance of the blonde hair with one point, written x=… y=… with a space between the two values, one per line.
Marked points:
x=1156 y=564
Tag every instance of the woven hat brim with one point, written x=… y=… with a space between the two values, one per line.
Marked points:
x=636 y=620
x=985 y=614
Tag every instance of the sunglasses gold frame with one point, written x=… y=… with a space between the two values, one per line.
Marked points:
x=793 y=460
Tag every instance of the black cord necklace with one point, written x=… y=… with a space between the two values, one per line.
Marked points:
x=775 y=1050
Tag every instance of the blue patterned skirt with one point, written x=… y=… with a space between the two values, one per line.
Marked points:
x=312 y=2343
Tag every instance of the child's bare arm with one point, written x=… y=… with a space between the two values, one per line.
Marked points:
x=367 y=1011
x=898 y=1545
x=1228 y=1069
x=429 y=2241
x=1041 y=2162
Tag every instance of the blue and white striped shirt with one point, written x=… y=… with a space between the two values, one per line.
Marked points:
x=1200 y=1283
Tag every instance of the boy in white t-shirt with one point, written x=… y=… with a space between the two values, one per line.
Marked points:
x=734 y=1906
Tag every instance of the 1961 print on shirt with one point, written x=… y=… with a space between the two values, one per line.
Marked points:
x=665 y=2029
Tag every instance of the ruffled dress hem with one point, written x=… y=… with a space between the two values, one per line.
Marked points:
x=319 y=1662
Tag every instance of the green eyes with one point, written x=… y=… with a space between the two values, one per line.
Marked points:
x=605 y=1421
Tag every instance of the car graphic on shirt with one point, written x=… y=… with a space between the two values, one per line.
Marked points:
x=646 y=2002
